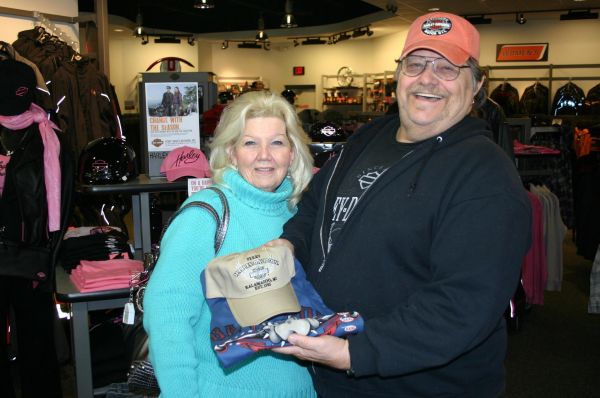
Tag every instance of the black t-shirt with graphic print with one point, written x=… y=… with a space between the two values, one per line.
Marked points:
x=381 y=153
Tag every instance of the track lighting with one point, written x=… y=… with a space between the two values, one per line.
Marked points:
x=520 y=18
x=265 y=45
x=249 y=44
x=358 y=33
x=165 y=38
x=313 y=40
x=343 y=36
x=334 y=38
x=478 y=19
x=578 y=14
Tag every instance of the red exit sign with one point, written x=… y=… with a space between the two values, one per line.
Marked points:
x=298 y=70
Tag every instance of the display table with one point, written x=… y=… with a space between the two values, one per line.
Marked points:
x=140 y=190
x=80 y=304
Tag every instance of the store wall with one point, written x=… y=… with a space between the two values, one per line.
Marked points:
x=129 y=58
x=570 y=42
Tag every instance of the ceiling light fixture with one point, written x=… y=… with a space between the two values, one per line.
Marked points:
x=573 y=15
x=288 y=19
x=139 y=28
x=520 y=18
x=478 y=19
x=204 y=4
x=261 y=35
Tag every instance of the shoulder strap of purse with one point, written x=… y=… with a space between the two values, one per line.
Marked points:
x=222 y=222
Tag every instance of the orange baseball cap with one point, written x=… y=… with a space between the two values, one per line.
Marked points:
x=452 y=36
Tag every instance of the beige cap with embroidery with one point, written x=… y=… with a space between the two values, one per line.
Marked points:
x=256 y=283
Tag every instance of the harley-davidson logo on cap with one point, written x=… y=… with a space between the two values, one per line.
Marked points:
x=436 y=26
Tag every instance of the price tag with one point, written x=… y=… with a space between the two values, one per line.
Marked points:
x=129 y=314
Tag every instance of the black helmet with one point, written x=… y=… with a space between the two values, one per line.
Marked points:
x=327 y=132
x=289 y=95
x=107 y=160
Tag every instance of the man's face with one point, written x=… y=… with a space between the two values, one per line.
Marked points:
x=429 y=105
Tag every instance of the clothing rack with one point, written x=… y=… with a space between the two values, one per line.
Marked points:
x=550 y=78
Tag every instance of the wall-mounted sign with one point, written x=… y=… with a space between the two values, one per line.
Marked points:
x=298 y=70
x=526 y=52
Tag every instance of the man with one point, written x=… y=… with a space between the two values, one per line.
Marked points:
x=167 y=102
x=420 y=224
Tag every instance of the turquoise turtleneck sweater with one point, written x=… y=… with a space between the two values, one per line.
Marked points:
x=177 y=317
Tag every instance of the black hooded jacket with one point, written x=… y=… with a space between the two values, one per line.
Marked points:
x=430 y=256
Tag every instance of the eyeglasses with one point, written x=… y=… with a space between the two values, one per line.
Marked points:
x=414 y=65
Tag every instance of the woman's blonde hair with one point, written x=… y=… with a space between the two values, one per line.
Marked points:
x=232 y=123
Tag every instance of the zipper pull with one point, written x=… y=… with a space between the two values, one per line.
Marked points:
x=322 y=266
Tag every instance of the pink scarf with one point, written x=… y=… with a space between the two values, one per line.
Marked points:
x=51 y=156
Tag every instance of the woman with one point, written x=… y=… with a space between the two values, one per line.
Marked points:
x=260 y=160
x=177 y=102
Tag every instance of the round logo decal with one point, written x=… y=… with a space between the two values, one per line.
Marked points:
x=436 y=26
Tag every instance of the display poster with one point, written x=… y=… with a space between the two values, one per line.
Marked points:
x=172 y=119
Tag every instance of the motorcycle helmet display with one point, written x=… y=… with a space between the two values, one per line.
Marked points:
x=327 y=132
x=289 y=95
x=327 y=139
x=107 y=160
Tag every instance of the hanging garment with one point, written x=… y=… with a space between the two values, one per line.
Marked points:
x=84 y=101
x=582 y=142
x=535 y=99
x=508 y=98
x=493 y=113
x=594 y=301
x=554 y=234
x=591 y=105
x=568 y=100
x=534 y=270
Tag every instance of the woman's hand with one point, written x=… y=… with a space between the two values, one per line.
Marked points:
x=280 y=242
x=328 y=350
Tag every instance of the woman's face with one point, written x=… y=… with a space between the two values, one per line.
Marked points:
x=263 y=153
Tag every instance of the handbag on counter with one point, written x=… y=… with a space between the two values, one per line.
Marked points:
x=141 y=378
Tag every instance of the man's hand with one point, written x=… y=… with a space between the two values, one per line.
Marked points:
x=328 y=350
